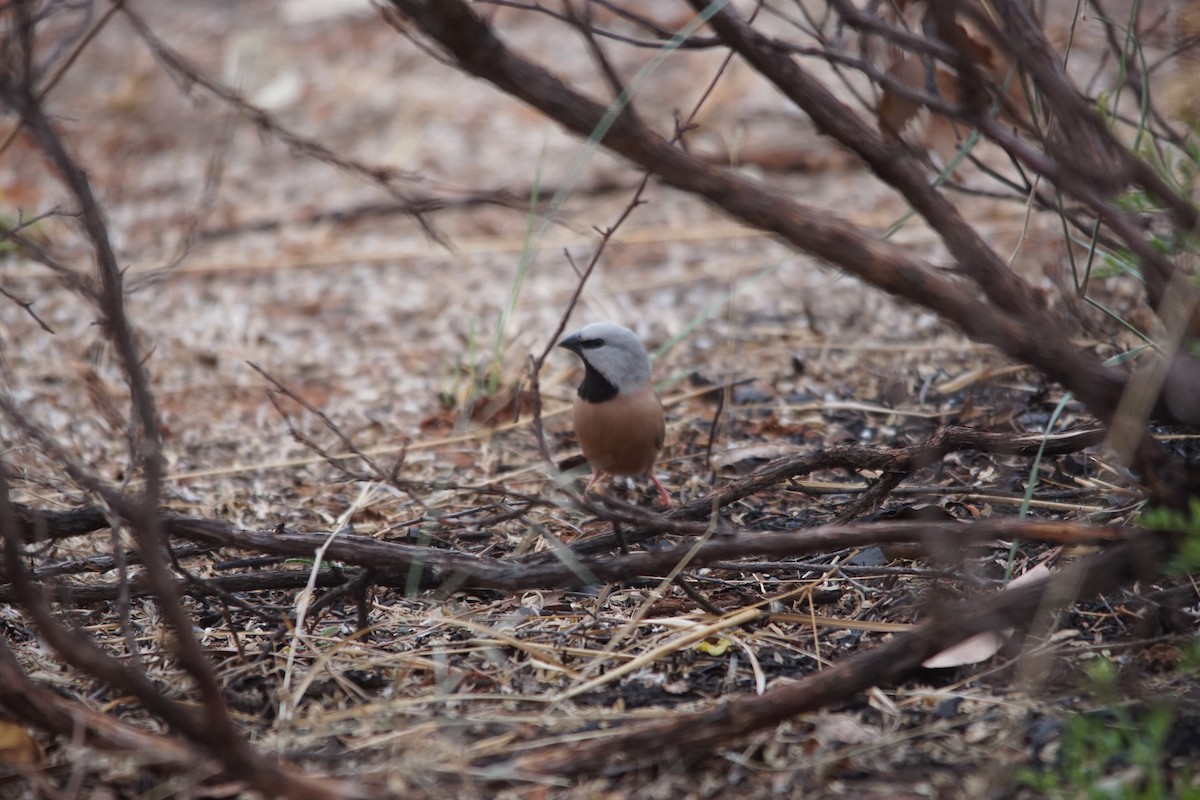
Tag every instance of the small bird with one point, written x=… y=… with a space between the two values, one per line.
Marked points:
x=618 y=417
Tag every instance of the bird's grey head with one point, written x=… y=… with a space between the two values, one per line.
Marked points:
x=613 y=351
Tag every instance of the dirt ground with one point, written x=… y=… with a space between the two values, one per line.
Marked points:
x=244 y=253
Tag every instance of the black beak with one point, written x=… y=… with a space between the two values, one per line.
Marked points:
x=572 y=343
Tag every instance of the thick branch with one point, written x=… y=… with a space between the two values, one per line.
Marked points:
x=895 y=166
x=705 y=731
x=477 y=50
x=459 y=570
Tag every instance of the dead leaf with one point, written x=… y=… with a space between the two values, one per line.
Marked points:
x=899 y=114
x=17 y=747
x=836 y=729
x=983 y=646
x=762 y=451
x=717 y=648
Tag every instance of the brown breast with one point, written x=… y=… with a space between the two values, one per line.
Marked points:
x=621 y=436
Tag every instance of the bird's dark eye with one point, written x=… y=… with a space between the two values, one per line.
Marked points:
x=591 y=344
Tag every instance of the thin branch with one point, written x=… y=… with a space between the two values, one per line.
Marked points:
x=463 y=34
x=687 y=735
x=385 y=177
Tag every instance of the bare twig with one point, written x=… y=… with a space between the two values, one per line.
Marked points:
x=213 y=728
x=377 y=472
x=384 y=177
x=470 y=40
x=704 y=731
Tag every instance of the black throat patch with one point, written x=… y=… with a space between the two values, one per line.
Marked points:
x=595 y=387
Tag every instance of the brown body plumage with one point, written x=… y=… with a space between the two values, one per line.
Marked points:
x=621 y=436
x=618 y=417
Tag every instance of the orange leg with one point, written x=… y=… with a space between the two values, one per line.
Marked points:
x=662 y=491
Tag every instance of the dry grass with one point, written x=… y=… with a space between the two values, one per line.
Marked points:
x=387 y=331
